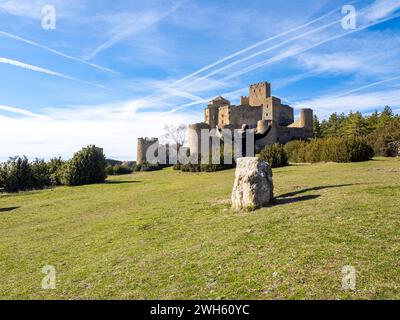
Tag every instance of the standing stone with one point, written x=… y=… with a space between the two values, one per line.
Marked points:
x=253 y=187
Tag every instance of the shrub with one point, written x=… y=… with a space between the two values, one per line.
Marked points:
x=145 y=166
x=55 y=169
x=383 y=138
x=87 y=166
x=345 y=149
x=16 y=175
x=120 y=169
x=110 y=170
x=275 y=155
x=295 y=151
x=40 y=174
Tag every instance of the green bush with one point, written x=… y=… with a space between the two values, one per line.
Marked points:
x=199 y=167
x=145 y=166
x=40 y=174
x=295 y=151
x=120 y=169
x=345 y=149
x=110 y=170
x=55 y=169
x=383 y=138
x=87 y=166
x=275 y=155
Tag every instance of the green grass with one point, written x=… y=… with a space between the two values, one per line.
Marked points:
x=172 y=235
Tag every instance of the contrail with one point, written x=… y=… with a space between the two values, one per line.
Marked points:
x=257 y=45
x=248 y=49
x=38 y=45
x=366 y=86
x=284 y=56
x=264 y=51
x=30 y=67
x=22 y=111
x=281 y=57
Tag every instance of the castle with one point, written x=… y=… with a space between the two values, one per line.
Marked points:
x=258 y=110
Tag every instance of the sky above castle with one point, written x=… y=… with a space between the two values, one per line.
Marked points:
x=109 y=72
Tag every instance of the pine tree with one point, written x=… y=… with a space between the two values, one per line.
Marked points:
x=372 y=121
x=316 y=127
x=355 y=125
x=385 y=117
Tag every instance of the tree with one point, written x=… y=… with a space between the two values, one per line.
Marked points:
x=316 y=127
x=372 y=121
x=16 y=175
x=355 y=125
x=385 y=117
x=333 y=125
x=88 y=166
x=176 y=134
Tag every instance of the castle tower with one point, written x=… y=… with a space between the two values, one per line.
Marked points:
x=142 y=147
x=306 y=118
x=259 y=93
x=244 y=101
x=211 y=113
x=195 y=136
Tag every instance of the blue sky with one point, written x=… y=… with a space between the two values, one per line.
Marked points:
x=112 y=71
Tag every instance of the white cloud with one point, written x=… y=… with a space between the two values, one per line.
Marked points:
x=326 y=105
x=61 y=135
x=127 y=25
x=33 y=8
x=380 y=9
x=22 y=112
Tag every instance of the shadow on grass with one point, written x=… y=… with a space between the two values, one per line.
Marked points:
x=8 y=209
x=122 y=182
x=279 y=201
x=295 y=193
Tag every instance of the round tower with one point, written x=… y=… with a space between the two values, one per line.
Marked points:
x=195 y=136
x=306 y=118
x=142 y=147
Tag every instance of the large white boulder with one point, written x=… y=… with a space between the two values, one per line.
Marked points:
x=253 y=187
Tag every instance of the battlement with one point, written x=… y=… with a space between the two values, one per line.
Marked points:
x=244 y=101
x=147 y=139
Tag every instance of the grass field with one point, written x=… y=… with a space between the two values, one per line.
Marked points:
x=172 y=235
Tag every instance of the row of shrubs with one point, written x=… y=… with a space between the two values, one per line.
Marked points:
x=199 y=167
x=86 y=167
x=121 y=169
x=202 y=167
x=350 y=149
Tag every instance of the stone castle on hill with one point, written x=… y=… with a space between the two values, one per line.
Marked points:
x=258 y=110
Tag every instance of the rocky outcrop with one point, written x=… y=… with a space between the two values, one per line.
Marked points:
x=253 y=187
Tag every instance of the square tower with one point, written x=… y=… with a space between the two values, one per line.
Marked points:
x=259 y=93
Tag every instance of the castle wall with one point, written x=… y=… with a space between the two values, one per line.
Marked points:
x=245 y=115
x=142 y=147
x=274 y=110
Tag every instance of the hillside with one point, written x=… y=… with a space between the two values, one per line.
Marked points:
x=171 y=235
